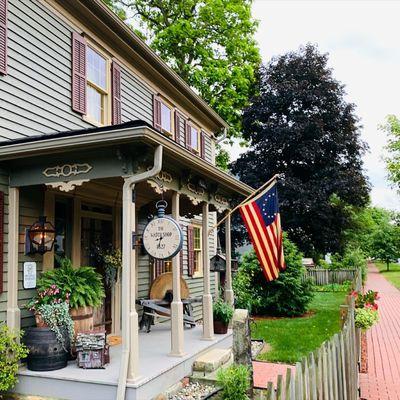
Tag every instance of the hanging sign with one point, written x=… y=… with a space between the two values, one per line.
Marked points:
x=29 y=275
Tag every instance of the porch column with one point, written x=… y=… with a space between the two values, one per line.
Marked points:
x=208 y=324
x=177 y=335
x=229 y=298
x=13 y=312
x=130 y=334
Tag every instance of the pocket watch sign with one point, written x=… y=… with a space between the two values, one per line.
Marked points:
x=162 y=236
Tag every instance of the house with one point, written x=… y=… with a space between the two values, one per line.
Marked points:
x=94 y=129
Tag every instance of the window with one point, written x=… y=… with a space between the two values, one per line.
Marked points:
x=166 y=115
x=198 y=265
x=97 y=87
x=194 y=138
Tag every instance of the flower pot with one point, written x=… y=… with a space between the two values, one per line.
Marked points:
x=39 y=321
x=83 y=319
x=220 y=327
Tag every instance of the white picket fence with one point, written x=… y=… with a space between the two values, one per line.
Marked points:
x=330 y=372
x=322 y=276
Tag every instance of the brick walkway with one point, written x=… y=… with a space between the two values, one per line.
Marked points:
x=264 y=372
x=382 y=382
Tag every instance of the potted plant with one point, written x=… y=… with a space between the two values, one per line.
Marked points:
x=83 y=286
x=223 y=313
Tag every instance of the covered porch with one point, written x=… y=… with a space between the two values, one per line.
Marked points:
x=127 y=168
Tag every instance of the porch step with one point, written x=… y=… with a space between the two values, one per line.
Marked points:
x=212 y=360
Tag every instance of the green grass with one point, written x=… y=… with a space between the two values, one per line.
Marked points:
x=393 y=275
x=292 y=338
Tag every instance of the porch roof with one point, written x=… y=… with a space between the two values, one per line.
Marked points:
x=127 y=132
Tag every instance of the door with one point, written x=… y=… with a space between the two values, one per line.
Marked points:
x=97 y=236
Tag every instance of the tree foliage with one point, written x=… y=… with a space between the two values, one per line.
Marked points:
x=385 y=244
x=392 y=128
x=300 y=126
x=289 y=295
x=209 y=43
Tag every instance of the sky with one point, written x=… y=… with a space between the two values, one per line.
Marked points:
x=362 y=38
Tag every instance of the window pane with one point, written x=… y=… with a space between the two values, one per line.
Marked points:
x=197 y=238
x=194 y=138
x=95 y=104
x=165 y=117
x=97 y=68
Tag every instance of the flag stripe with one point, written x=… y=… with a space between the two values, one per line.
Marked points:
x=255 y=242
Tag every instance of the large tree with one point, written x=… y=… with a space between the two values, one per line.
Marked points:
x=209 y=43
x=300 y=126
x=392 y=128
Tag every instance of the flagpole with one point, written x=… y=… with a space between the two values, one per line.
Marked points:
x=244 y=201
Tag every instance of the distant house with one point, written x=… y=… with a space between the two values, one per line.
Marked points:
x=86 y=109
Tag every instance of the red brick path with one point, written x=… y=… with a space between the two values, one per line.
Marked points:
x=382 y=382
x=265 y=372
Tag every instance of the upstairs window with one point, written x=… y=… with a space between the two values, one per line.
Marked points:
x=162 y=116
x=97 y=87
x=193 y=139
x=166 y=115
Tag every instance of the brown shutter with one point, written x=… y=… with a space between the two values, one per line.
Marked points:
x=3 y=36
x=177 y=127
x=1 y=240
x=78 y=73
x=188 y=135
x=202 y=145
x=156 y=113
x=181 y=253
x=116 y=93
x=158 y=268
x=190 y=246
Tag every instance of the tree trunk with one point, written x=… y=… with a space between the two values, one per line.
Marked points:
x=387 y=265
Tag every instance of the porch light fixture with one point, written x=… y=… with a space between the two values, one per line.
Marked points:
x=40 y=237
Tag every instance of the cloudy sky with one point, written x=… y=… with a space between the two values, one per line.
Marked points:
x=362 y=38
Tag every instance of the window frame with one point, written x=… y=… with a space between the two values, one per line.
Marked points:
x=105 y=93
x=198 y=251
x=192 y=126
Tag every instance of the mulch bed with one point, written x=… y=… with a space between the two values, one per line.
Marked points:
x=364 y=353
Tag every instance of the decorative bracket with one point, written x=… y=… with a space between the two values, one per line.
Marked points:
x=67 y=186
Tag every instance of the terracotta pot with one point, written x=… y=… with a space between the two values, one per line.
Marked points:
x=220 y=327
x=83 y=318
x=39 y=321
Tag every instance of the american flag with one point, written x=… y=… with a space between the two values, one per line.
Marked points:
x=263 y=222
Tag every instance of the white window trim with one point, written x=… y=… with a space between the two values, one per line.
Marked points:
x=198 y=129
x=200 y=272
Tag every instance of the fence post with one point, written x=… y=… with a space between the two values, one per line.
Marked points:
x=279 y=388
x=313 y=377
x=299 y=382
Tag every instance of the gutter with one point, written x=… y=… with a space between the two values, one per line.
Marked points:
x=129 y=358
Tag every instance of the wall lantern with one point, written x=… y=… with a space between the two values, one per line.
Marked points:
x=40 y=237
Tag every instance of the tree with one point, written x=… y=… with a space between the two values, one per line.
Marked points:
x=299 y=126
x=392 y=127
x=385 y=244
x=289 y=295
x=210 y=44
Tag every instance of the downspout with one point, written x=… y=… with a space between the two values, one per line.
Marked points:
x=130 y=260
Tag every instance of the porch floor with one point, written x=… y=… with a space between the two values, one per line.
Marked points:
x=157 y=369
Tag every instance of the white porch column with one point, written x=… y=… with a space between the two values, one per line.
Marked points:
x=229 y=298
x=177 y=335
x=208 y=324
x=13 y=312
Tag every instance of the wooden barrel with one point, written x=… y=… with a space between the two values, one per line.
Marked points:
x=45 y=352
x=83 y=319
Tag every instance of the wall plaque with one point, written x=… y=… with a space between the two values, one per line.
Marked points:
x=29 y=275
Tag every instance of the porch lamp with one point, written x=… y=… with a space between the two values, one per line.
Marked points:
x=41 y=236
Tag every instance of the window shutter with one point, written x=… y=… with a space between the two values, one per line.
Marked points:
x=190 y=239
x=181 y=254
x=156 y=113
x=116 y=93
x=78 y=73
x=188 y=136
x=3 y=36
x=202 y=145
x=1 y=240
x=177 y=127
x=158 y=268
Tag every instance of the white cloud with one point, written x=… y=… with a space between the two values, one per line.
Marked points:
x=362 y=39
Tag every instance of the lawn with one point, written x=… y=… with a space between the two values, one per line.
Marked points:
x=393 y=275
x=292 y=338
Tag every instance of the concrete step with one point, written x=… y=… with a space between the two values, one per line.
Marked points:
x=212 y=360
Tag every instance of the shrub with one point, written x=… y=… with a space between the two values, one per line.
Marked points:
x=222 y=311
x=289 y=295
x=235 y=382
x=11 y=352
x=83 y=285
x=366 y=317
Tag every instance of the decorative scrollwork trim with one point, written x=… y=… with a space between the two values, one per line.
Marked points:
x=67 y=170
x=67 y=186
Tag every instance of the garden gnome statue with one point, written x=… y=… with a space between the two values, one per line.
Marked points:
x=242 y=340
